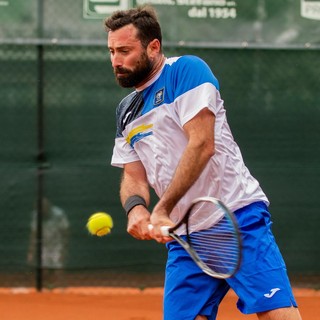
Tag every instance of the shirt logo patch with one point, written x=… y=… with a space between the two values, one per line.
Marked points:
x=158 y=97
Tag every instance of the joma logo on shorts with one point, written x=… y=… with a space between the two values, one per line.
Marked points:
x=272 y=293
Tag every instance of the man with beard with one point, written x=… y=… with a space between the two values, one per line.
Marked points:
x=172 y=135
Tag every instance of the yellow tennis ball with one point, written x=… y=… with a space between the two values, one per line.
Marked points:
x=100 y=224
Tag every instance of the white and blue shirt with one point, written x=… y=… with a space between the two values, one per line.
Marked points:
x=150 y=124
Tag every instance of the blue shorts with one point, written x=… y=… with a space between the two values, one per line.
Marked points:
x=261 y=283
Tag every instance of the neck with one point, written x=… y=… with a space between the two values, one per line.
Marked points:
x=159 y=61
x=158 y=65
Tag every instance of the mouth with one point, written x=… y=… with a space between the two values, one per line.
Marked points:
x=120 y=73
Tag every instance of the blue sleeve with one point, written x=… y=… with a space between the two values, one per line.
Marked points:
x=191 y=72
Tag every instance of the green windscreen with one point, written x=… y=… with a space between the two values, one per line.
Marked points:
x=57 y=118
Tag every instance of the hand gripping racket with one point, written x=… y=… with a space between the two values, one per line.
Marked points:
x=216 y=250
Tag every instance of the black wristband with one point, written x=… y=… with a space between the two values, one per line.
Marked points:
x=133 y=201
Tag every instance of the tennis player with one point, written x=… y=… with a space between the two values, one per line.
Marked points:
x=172 y=135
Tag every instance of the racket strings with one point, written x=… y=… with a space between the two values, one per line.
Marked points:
x=217 y=247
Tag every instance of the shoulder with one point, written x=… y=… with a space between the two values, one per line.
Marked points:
x=128 y=110
x=127 y=103
x=191 y=69
x=187 y=61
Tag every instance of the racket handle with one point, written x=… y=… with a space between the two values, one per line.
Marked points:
x=164 y=229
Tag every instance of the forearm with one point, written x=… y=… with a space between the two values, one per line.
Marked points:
x=131 y=186
x=191 y=165
x=134 y=183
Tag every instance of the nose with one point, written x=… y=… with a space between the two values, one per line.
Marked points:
x=116 y=61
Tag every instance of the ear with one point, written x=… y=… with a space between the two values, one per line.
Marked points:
x=153 y=48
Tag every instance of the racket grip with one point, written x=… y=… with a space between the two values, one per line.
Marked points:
x=164 y=230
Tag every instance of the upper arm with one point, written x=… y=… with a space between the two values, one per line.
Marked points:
x=200 y=129
x=135 y=170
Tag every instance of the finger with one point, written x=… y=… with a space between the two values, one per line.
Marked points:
x=140 y=234
x=162 y=238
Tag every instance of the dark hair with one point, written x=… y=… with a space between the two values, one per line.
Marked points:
x=144 y=18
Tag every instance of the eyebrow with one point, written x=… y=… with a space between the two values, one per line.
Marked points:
x=120 y=47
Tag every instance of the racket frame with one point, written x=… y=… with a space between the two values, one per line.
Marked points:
x=169 y=231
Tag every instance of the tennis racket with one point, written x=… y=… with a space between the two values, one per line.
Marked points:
x=216 y=250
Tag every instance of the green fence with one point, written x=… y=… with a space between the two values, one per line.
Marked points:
x=57 y=120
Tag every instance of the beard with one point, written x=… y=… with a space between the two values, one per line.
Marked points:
x=127 y=78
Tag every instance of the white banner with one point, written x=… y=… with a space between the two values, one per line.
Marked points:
x=310 y=9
